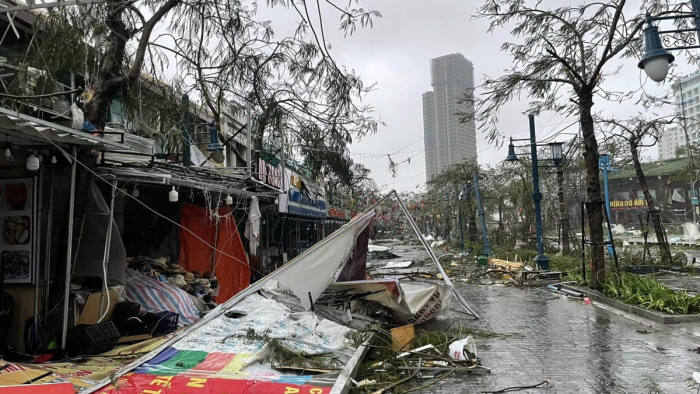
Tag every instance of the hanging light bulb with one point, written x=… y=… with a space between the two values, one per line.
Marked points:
x=229 y=199
x=135 y=191
x=8 y=153
x=173 y=195
x=53 y=159
x=32 y=162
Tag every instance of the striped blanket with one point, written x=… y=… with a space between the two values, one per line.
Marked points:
x=155 y=296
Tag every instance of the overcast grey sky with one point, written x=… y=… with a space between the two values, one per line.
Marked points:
x=396 y=54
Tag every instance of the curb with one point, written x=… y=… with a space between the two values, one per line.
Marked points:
x=655 y=316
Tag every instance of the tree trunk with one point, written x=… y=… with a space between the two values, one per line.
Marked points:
x=661 y=241
x=595 y=200
x=565 y=247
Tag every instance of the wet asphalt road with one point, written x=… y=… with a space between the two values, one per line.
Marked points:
x=579 y=348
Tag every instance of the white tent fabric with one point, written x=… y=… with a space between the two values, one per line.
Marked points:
x=690 y=231
x=677 y=196
x=252 y=226
x=317 y=267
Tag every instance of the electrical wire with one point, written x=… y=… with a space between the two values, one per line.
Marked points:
x=236 y=259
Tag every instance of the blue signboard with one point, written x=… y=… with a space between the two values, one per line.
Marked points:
x=300 y=204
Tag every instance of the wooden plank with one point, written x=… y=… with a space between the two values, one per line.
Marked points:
x=134 y=338
x=402 y=337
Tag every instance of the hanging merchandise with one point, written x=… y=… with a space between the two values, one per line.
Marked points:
x=8 y=153
x=252 y=226
x=135 y=191
x=53 y=159
x=229 y=199
x=173 y=195
x=32 y=162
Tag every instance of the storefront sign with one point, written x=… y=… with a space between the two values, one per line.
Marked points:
x=270 y=174
x=628 y=203
x=337 y=213
x=300 y=204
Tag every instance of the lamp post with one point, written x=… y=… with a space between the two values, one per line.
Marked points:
x=556 y=151
x=656 y=58
x=462 y=196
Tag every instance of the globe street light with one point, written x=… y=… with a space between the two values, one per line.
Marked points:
x=556 y=151
x=656 y=59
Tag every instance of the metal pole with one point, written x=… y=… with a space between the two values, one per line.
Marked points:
x=186 y=159
x=461 y=229
x=694 y=193
x=69 y=248
x=249 y=127
x=541 y=260
x=47 y=254
x=583 y=240
x=605 y=165
x=37 y=245
x=108 y=244
x=487 y=246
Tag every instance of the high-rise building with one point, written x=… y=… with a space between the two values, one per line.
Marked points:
x=686 y=97
x=447 y=140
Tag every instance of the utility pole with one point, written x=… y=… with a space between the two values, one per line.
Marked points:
x=186 y=160
x=565 y=246
x=249 y=132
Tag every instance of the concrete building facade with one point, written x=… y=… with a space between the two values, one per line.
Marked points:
x=446 y=139
x=686 y=98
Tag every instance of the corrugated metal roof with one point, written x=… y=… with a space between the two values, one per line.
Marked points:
x=21 y=129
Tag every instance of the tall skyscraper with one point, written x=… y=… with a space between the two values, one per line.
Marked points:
x=447 y=140
x=687 y=102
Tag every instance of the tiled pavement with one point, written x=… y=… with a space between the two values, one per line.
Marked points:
x=580 y=348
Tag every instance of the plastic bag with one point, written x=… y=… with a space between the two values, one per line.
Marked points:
x=464 y=349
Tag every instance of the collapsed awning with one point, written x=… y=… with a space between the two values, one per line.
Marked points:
x=25 y=130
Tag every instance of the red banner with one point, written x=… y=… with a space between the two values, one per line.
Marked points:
x=53 y=388
x=152 y=384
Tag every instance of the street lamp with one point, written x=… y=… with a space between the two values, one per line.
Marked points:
x=556 y=151
x=656 y=58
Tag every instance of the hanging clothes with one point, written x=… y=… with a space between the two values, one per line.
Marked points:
x=252 y=226
x=229 y=264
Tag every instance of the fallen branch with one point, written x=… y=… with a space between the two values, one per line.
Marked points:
x=516 y=388
x=391 y=386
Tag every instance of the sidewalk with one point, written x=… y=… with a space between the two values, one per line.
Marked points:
x=580 y=348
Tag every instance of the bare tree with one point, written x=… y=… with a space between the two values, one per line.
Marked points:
x=295 y=87
x=639 y=133
x=560 y=61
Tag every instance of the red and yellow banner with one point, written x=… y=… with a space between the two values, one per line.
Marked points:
x=154 y=384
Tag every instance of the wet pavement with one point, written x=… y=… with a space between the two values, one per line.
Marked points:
x=579 y=348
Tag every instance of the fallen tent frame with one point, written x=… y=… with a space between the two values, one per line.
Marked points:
x=355 y=226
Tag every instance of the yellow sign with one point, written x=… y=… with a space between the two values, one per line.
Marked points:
x=628 y=203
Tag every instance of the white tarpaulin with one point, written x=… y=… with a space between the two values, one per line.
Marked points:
x=690 y=231
x=252 y=226
x=618 y=229
x=319 y=265
x=377 y=248
x=398 y=264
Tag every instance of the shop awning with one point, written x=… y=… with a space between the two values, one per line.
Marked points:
x=25 y=130
x=212 y=179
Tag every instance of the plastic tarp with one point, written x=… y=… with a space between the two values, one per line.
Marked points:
x=228 y=354
x=252 y=226
x=410 y=303
x=690 y=231
x=93 y=235
x=231 y=266
x=155 y=296
x=320 y=264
